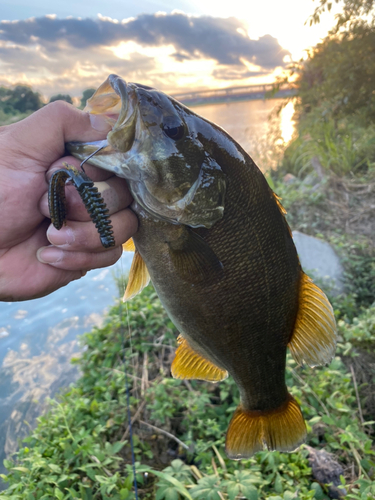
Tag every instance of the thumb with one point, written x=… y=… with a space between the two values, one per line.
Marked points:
x=42 y=135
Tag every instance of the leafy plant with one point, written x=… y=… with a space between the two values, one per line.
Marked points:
x=80 y=449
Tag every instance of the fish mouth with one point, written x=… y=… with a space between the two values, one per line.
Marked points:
x=125 y=153
x=122 y=135
x=118 y=105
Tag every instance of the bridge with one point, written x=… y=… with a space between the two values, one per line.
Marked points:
x=230 y=94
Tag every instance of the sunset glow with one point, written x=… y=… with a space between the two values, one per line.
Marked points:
x=201 y=45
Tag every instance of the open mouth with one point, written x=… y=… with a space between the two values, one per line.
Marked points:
x=115 y=100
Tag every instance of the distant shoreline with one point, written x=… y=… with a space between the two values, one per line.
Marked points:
x=233 y=94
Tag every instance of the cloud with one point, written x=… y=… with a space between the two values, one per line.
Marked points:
x=54 y=47
x=223 y=40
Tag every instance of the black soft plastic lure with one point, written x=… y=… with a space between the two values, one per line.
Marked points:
x=90 y=195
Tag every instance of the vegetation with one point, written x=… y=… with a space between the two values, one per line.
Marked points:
x=335 y=96
x=61 y=97
x=80 y=449
x=86 y=95
x=327 y=174
x=19 y=102
x=354 y=13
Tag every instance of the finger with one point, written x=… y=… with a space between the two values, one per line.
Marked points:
x=23 y=277
x=78 y=261
x=114 y=192
x=45 y=132
x=83 y=236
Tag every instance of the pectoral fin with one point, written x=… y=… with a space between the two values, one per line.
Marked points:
x=314 y=336
x=193 y=258
x=129 y=246
x=188 y=364
x=138 y=277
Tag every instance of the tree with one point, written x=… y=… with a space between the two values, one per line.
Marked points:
x=354 y=13
x=21 y=99
x=339 y=74
x=61 y=97
x=86 y=95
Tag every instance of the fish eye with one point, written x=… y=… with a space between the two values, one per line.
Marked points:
x=173 y=129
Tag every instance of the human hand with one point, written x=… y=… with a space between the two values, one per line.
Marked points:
x=30 y=151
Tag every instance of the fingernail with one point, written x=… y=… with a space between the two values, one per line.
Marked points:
x=49 y=255
x=99 y=123
x=64 y=236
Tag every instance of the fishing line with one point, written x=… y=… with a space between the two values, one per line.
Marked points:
x=92 y=154
x=123 y=352
x=127 y=382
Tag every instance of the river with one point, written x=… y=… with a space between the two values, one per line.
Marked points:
x=39 y=337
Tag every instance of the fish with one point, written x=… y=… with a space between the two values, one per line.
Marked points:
x=214 y=240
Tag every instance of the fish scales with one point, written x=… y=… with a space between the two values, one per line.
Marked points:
x=214 y=240
x=253 y=306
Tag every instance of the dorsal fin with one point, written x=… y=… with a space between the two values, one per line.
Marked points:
x=314 y=336
x=278 y=202
x=188 y=364
x=282 y=211
x=138 y=277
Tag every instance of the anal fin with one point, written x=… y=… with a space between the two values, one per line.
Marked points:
x=314 y=336
x=138 y=277
x=188 y=364
x=250 y=431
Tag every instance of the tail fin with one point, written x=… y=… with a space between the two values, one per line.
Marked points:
x=280 y=429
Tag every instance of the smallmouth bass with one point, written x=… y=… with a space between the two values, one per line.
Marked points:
x=214 y=241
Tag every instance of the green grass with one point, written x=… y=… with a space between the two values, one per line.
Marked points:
x=79 y=448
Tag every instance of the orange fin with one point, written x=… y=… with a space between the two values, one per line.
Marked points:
x=129 y=246
x=278 y=202
x=189 y=364
x=138 y=277
x=314 y=336
x=280 y=429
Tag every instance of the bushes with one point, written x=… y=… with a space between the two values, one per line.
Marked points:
x=345 y=87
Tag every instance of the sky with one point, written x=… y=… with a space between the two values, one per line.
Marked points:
x=174 y=46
